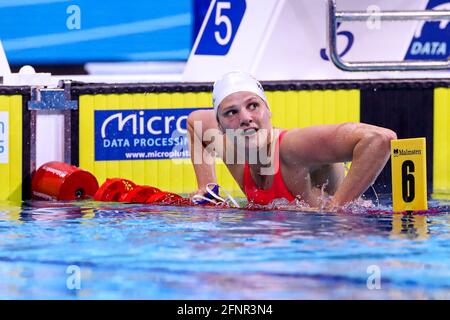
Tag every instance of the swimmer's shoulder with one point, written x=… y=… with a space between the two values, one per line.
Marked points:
x=289 y=146
x=299 y=145
x=205 y=117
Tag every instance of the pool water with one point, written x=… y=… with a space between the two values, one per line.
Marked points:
x=89 y=250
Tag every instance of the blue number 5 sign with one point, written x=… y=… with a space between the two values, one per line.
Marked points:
x=222 y=24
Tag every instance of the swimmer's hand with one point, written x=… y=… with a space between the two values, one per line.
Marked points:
x=331 y=206
x=199 y=192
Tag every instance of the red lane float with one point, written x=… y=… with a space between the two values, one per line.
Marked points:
x=114 y=189
x=122 y=190
x=139 y=194
x=165 y=198
x=61 y=181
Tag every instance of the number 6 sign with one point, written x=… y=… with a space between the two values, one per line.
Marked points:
x=409 y=174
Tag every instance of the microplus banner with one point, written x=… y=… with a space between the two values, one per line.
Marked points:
x=141 y=134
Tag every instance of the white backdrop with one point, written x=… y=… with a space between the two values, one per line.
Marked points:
x=285 y=39
x=4 y=65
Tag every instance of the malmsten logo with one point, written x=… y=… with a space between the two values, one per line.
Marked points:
x=403 y=152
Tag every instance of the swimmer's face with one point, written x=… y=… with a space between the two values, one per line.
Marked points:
x=246 y=115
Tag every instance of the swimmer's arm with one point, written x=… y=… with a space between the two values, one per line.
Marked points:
x=201 y=156
x=367 y=146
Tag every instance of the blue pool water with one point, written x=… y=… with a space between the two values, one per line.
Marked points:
x=121 y=251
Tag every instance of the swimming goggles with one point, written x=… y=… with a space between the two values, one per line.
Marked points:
x=212 y=196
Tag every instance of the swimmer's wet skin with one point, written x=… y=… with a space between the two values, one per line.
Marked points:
x=306 y=161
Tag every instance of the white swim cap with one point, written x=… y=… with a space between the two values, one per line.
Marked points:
x=235 y=81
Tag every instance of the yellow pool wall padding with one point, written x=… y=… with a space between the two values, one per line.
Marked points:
x=11 y=172
x=441 y=148
x=290 y=109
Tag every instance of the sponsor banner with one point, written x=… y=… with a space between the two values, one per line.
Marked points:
x=406 y=152
x=141 y=134
x=431 y=40
x=4 y=136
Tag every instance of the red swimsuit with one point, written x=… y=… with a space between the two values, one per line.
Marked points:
x=276 y=191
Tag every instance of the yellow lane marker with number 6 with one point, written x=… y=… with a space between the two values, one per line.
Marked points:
x=409 y=174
